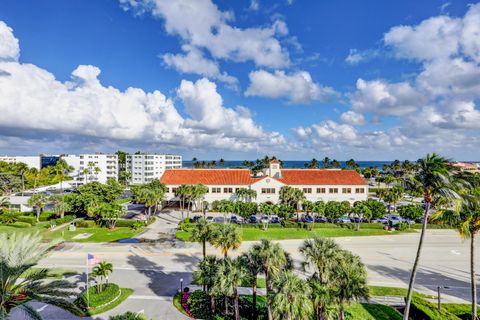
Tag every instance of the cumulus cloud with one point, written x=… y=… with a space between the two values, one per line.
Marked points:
x=35 y=104
x=352 y=118
x=297 y=87
x=201 y=24
x=356 y=56
x=9 y=48
x=194 y=62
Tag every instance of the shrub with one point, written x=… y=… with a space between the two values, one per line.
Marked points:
x=110 y=292
x=424 y=310
x=20 y=224
x=401 y=226
x=128 y=223
x=85 y=224
x=137 y=225
x=129 y=316
x=31 y=220
x=198 y=303
x=9 y=217
x=46 y=215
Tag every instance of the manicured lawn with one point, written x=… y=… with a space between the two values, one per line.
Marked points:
x=98 y=234
x=54 y=273
x=394 y=291
x=125 y=293
x=364 y=311
x=250 y=234
x=463 y=311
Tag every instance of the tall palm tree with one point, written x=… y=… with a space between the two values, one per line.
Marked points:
x=4 y=204
x=19 y=283
x=273 y=260
x=59 y=204
x=298 y=198
x=322 y=296
x=61 y=170
x=202 y=232
x=350 y=279
x=435 y=179
x=102 y=270
x=38 y=201
x=291 y=298
x=206 y=274
x=226 y=237
x=326 y=162
x=251 y=261
x=231 y=272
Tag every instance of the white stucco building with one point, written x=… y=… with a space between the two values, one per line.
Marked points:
x=146 y=167
x=30 y=161
x=317 y=184
x=92 y=167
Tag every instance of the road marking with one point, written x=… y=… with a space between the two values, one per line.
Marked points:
x=42 y=308
x=455 y=252
x=160 y=298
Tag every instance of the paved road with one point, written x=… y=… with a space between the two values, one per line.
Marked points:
x=154 y=270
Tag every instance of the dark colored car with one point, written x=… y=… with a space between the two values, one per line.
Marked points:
x=307 y=218
x=252 y=219
x=235 y=219
x=274 y=219
x=321 y=219
x=196 y=218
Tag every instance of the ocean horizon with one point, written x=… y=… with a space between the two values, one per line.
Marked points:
x=287 y=163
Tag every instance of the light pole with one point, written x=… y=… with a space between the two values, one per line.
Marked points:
x=181 y=284
x=439 y=298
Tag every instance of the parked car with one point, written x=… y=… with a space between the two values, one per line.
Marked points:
x=321 y=219
x=394 y=219
x=307 y=218
x=210 y=219
x=252 y=219
x=195 y=218
x=264 y=219
x=274 y=219
x=343 y=219
x=219 y=219
x=235 y=219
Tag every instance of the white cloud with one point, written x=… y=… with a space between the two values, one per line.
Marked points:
x=352 y=118
x=297 y=87
x=254 y=5
x=356 y=56
x=9 y=48
x=194 y=62
x=383 y=98
x=201 y=24
x=35 y=104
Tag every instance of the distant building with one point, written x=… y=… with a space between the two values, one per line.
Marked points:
x=316 y=184
x=92 y=167
x=30 y=161
x=146 y=167
x=467 y=166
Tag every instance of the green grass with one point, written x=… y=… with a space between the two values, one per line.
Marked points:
x=394 y=291
x=97 y=234
x=463 y=311
x=251 y=234
x=423 y=309
x=177 y=302
x=364 y=311
x=125 y=293
x=53 y=273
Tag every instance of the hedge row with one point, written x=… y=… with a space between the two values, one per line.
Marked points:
x=30 y=220
x=109 y=293
x=20 y=224
x=121 y=223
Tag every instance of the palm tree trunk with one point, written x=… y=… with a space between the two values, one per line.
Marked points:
x=204 y=245
x=235 y=301
x=212 y=304
x=254 y=297
x=342 y=312
x=38 y=213
x=472 y=275
x=415 y=264
x=226 y=306
x=269 y=300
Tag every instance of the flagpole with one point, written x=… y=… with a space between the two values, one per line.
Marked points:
x=88 y=298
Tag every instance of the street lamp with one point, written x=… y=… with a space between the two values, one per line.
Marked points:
x=181 y=284
x=439 y=297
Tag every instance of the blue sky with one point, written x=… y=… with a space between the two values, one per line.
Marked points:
x=240 y=79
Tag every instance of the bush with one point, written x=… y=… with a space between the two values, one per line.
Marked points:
x=424 y=310
x=85 y=224
x=199 y=304
x=129 y=316
x=20 y=224
x=9 y=217
x=110 y=292
x=46 y=215
x=31 y=220
x=127 y=223
x=402 y=226
x=137 y=225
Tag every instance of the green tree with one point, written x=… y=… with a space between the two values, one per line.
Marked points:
x=102 y=270
x=38 y=201
x=313 y=164
x=377 y=208
x=230 y=273
x=273 y=260
x=60 y=206
x=110 y=213
x=206 y=274
x=252 y=263
x=202 y=232
x=226 y=237
x=62 y=169
x=19 y=283
x=435 y=179
x=410 y=211
x=362 y=211
x=291 y=298
x=393 y=196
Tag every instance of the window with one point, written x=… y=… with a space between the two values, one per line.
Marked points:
x=268 y=190
x=168 y=190
x=321 y=190
x=333 y=190
x=216 y=190
x=346 y=190
x=307 y=190
x=174 y=190
x=359 y=190
x=227 y=190
x=236 y=189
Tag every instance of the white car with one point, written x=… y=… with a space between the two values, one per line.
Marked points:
x=210 y=219
x=264 y=219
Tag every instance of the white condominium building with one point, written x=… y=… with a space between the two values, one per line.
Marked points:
x=93 y=167
x=30 y=161
x=146 y=167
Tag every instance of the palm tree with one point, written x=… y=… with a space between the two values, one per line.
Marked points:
x=298 y=197
x=102 y=270
x=393 y=196
x=4 y=204
x=230 y=275
x=273 y=260
x=19 y=283
x=291 y=298
x=252 y=263
x=226 y=237
x=206 y=274
x=326 y=162
x=336 y=164
x=435 y=179
x=322 y=296
x=59 y=205
x=38 y=201
x=313 y=164
x=202 y=232
x=61 y=170
x=350 y=280
x=221 y=162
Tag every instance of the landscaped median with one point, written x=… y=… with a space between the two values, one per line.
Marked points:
x=252 y=232
x=98 y=302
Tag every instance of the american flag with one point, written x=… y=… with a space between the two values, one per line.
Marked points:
x=92 y=259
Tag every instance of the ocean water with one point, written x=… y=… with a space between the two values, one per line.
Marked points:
x=289 y=164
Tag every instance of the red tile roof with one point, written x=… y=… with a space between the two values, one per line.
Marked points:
x=274 y=161
x=207 y=176
x=321 y=177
